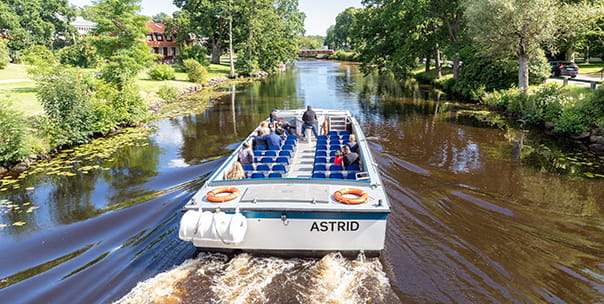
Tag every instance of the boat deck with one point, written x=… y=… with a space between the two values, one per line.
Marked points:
x=303 y=160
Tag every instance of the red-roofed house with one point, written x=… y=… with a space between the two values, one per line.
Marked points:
x=162 y=43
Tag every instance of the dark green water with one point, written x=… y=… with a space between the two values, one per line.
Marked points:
x=480 y=215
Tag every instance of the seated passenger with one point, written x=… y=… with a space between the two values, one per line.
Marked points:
x=246 y=155
x=339 y=158
x=350 y=158
x=235 y=172
x=271 y=139
x=354 y=146
x=259 y=140
x=264 y=127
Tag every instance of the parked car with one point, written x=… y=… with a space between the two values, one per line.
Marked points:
x=564 y=68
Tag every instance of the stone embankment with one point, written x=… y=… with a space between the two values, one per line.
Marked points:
x=591 y=140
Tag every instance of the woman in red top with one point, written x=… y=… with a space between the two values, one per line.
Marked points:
x=339 y=158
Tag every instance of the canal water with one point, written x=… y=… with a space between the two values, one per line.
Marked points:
x=479 y=215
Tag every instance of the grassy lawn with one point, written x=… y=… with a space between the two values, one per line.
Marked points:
x=594 y=67
x=23 y=94
x=14 y=71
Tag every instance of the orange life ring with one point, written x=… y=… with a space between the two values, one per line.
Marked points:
x=213 y=196
x=339 y=196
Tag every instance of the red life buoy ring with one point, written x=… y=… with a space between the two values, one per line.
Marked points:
x=339 y=196
x=213 y=196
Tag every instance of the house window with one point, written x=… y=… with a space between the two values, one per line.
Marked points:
x=160 y=51
x=149 y=37
x=170 y=51
x=168 y=38
x=176 y=51
x=159 y=37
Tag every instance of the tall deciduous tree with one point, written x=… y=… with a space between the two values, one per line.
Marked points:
x=339 y=35
x=35 y=21
x=517 y=27
x=120 y=39
x=576 y=22
x=205 y=18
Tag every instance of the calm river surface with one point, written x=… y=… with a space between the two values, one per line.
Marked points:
x=480 y=215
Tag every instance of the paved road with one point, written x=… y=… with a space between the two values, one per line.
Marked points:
x=582 y=80
x=14 y=80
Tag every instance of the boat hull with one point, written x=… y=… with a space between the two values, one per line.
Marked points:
x=305 y=232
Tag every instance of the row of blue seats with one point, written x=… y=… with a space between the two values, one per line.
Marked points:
x=265 y=167
x=330 y=147
x=338 y=133
x=263 y=175
x=272 y=160
x=286 y=153
x=324 y=167
x=336 y=175
x=289 y=140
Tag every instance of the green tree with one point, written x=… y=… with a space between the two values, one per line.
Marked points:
x=269 y=31
x=518 y=27
x=35 y=22
x=65 y=94
x=120 y=32
x=338 y=35
x=266 y=31
x=38 y=55
x=312 y=42
x=160 y=18
x=12 y=135
x=576 y=21
x=82 y=54
x=4 y=54
x=204 y=17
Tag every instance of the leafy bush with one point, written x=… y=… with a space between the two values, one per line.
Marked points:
x=129 y=107
x=246 y=65
x=65 y=96
x=83 y=54
x=12 y=135
x=120 y=73
x=195 y=71
x=161 y=72
x=197 y=52
x=573 y=120
x=344 y=56
x=480 y=75
x=4 y=53
x=38 y=55
x=167 y=92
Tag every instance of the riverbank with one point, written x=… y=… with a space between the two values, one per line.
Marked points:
x=569 y=112
x=191 y=99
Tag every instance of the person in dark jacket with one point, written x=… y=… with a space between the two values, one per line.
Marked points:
x=271 y=139
x=259 y=140
x=273 y=118
x=350 y=158
x=310 y=120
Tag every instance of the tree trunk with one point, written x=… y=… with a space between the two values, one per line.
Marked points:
x=455 y=66
x=570 y=55
x=523 y=73
x=216 y=52
x=437 y=70
x=587 y=54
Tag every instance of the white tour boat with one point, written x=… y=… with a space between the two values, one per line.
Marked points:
x=292 y=200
